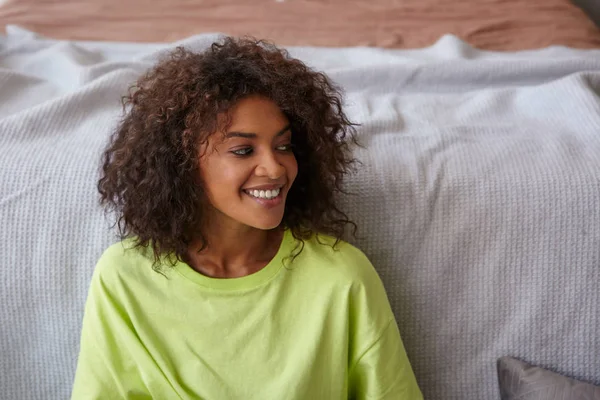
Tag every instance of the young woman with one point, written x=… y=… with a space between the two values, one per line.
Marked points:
x=231 y=281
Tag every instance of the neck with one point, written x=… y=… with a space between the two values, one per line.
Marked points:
x=234 y=251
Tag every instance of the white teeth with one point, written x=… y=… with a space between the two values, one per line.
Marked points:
x=264 y=194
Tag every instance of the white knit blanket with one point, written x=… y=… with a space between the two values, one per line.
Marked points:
x=478 y=201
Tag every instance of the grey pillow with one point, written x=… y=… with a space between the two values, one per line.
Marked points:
x=521 y=381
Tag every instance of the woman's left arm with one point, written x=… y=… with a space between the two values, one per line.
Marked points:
x=383 y=371
x=379 y=368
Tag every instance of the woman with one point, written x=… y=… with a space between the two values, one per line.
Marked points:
x=232 y=281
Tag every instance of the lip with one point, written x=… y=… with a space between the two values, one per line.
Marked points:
x=267 y=203
x=265 y=187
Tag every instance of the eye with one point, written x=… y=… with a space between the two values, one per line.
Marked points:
x=286 y=147
x=245 y=151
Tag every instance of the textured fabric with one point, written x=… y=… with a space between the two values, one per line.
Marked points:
x=521 y=381
x=477 y=202
x=489 y=24
x=317 y=328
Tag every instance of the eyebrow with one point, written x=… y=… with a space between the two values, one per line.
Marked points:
x=251 y=135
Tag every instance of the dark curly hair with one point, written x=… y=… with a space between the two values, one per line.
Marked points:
x=150 y=168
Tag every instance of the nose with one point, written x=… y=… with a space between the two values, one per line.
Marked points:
x=269 y=166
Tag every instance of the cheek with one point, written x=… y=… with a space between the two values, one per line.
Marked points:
x=218 y=177
x=230 y=177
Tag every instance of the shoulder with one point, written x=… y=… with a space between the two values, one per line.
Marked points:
x=346 y=268
x=339 y=258
x=123 y=259
x=333 y=249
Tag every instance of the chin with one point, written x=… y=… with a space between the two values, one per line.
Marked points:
x=267 y=225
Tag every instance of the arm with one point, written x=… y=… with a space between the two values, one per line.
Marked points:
x=106 y=368
x=383 y=370
x=379 y=368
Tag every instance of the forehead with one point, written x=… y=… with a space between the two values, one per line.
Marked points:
x=255 y=117
x=255 y=114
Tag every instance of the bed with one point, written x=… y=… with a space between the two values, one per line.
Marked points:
x=489 y=24
x=477 y=198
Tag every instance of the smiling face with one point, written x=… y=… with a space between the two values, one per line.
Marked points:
x=248 y=173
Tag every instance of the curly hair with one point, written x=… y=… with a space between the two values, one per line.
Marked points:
x=150 y=168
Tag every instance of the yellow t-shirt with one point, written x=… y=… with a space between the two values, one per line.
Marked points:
x=319 y=327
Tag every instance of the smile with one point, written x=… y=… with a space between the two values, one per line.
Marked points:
x=264 y=194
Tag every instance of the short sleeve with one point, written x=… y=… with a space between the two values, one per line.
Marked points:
x=105 y=369
x=383 y=371
x=379 y=368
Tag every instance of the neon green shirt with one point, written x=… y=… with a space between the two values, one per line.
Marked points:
x=320 y=327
